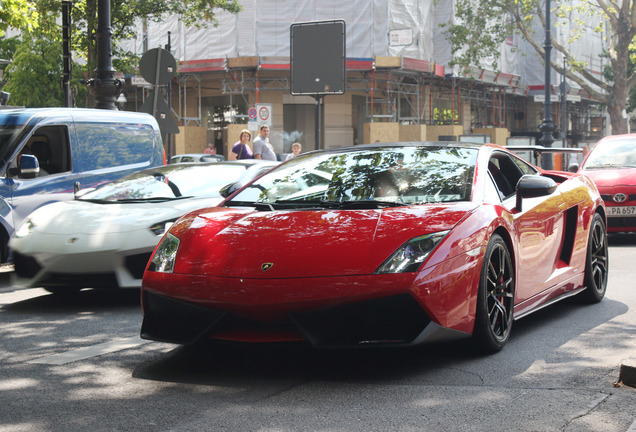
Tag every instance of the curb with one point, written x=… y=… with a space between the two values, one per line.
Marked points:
x=627 y=374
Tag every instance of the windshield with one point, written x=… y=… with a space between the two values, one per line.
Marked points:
x=613 y=154
x=371 y=177
x=11 y=127
x=168 y=182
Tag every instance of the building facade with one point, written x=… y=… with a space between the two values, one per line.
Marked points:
x=399 y=86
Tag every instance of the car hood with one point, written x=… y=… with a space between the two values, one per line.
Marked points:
x=84 y=217
x=280 y=244
x=612 y=177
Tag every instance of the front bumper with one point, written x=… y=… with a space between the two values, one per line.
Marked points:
x=395 y=320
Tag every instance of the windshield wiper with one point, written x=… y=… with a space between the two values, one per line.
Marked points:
x=132 y=200
x=341 y=205
x=605 y=165
x=370 y=204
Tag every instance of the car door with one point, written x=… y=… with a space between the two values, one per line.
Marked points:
x=538 y=228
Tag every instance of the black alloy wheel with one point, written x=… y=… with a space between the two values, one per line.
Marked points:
x=495 y=299
x=597 y=262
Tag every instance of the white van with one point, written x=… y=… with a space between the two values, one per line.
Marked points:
x=48 y=154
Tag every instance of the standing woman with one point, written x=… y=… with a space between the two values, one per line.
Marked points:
x=240 y=150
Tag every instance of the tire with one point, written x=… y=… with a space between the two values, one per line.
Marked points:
x=596 y=263
x=4 y=246
x=495 y=298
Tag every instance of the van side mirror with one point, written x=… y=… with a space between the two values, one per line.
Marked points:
x=29 y=166
x=532 y=186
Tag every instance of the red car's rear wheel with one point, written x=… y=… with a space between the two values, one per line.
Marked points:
x=596 y=264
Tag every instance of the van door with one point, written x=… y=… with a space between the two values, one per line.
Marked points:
x=50 y=144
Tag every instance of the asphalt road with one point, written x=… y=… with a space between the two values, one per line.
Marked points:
x=77 y=364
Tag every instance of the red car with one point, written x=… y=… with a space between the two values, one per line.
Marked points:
x=611 y=164
x=380 y=245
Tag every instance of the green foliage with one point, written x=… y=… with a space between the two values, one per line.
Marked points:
x=480 y=27
x=40 y=21
x=8 y=46
x=17 y=14
x=34 y=76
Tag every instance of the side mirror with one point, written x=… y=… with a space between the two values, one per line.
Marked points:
x=29 y=166
x=573 y=167
x=229 y=189
x=532 y=186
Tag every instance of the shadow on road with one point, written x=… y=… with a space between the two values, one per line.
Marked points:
x=443 y=363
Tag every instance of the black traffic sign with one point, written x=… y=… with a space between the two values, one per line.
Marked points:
x=158 y=66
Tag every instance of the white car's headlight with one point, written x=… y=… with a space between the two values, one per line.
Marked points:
x=410 y=256
x=165 y=255
x=160 y=228
x=27 y=227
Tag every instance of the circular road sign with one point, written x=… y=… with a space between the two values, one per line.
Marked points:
x=158 y=66
x=263 y=113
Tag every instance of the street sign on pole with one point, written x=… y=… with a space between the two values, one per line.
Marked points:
x=157 y=66
x=264 y=115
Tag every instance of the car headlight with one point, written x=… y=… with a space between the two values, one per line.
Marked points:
x=27 y=227
x=165 y=255
x=160 y=228
x=410 y=256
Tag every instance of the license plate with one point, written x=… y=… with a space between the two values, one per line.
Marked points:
x=621 y=211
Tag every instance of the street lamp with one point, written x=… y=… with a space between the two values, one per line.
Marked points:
x=547 y=126
x=104 y=86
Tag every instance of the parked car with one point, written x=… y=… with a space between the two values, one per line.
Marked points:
x=47 y=154
x=611 y=164
x=380 y=245
x=196 y=157
x=103 y=238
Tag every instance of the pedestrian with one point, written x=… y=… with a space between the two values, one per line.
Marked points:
x=210 y=149
x=262 y=148
x=296 y=149
x=240 y=149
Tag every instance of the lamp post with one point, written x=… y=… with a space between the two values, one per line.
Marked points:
x=547 y=126
x=104 y=86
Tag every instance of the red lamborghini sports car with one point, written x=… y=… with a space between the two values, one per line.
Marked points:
x=380 y=245
x=611 y=164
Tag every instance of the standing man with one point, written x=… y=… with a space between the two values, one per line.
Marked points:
x=261 y=147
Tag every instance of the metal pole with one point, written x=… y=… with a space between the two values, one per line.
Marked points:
x=547 y=127
x=318 y=122
x=564 y=108
x=169 y=135
x=104 y=86
x=66 y=53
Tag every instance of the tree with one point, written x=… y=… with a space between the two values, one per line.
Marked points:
x=35 y=81
x=17 y=14
x=33 y=77
x=487 y=23
x=124 y=14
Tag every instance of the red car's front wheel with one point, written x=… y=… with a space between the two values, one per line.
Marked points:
x=495 y=299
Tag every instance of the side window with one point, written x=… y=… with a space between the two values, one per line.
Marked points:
x=105 y=145
x=525 y=167
x=505 y=173
x=50 y=145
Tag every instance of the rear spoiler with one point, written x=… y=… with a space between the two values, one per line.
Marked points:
x=538 y=150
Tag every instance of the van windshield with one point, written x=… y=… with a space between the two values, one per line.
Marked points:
x=11 y=127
